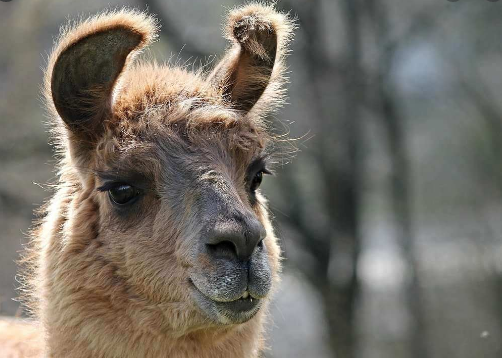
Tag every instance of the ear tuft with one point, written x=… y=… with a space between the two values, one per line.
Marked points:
x=253 y=68
x=86 y=63
x=257 y=36
x=251 y=19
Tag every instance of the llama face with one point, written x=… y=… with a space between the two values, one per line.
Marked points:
x=172 y=162
x=186 y=208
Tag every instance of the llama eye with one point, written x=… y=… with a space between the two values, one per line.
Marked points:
x=257 y=179
x=123 y=194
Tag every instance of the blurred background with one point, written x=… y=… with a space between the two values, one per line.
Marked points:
x=389 y=208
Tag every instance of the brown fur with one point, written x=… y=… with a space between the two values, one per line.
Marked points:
x=106 y=283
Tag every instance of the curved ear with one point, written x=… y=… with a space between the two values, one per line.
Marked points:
x=86 y=63
x=253 y=66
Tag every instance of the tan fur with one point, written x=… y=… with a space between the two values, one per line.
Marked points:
x=106 y=285
x=19 y=339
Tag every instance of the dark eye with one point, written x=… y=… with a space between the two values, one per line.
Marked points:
x=255 y=183
x=123 y=194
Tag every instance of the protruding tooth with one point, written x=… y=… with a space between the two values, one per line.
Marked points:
x=245 y=295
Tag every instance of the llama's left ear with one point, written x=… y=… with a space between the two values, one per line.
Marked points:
x=85 y=65
x=252 y=72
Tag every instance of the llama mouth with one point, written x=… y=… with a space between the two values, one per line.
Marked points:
x=227 y=312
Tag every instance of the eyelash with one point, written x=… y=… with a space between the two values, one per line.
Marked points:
x=266 y=171
x=256 y=179
x=111 y=185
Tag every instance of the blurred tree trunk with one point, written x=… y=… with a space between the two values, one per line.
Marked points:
x=346 y=189
x=337 y=247
x=394 y=127
x=401 y=205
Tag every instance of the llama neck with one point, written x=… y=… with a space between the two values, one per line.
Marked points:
x=109 y=339
x=87 y=312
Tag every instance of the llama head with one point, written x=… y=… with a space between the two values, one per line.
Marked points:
x=166 y=164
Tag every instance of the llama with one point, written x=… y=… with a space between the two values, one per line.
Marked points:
x=157 y=241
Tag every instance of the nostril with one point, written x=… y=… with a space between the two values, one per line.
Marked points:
x=236 y=239
x=223 y=249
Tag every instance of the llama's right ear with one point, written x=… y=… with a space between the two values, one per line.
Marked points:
x=86 y=63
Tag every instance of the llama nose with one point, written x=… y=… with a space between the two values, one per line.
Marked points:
x=236 y=238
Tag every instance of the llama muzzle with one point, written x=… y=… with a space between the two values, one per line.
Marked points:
x=233 y=275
